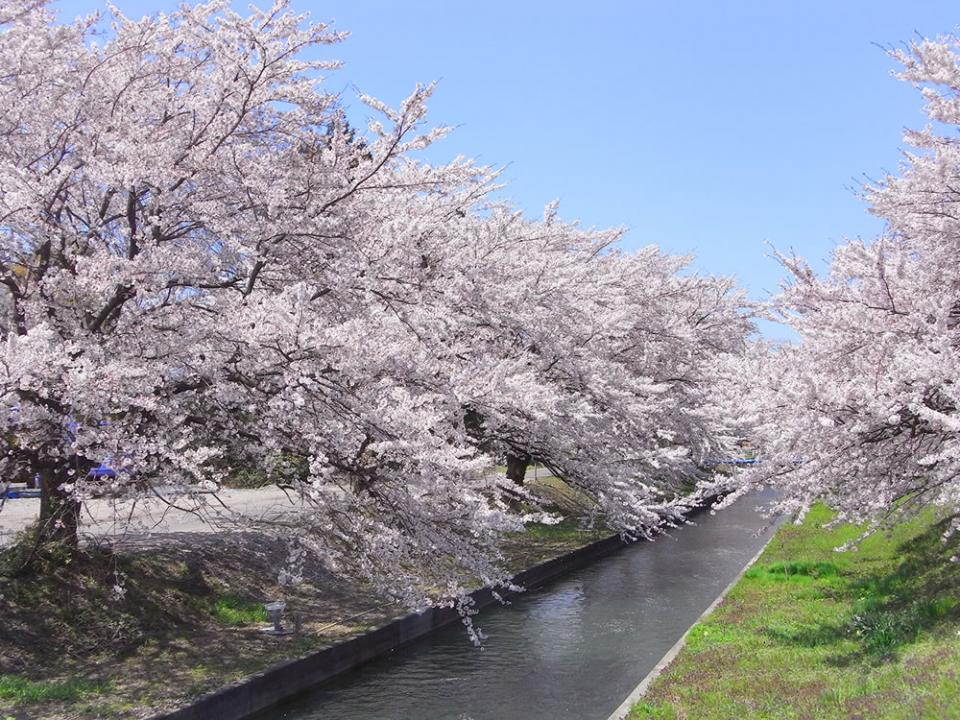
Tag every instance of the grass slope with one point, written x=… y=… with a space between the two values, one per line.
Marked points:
x=812 y=633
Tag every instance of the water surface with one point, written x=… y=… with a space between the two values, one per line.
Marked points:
x=570 y=650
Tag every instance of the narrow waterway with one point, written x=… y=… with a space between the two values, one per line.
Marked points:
x=570 y=650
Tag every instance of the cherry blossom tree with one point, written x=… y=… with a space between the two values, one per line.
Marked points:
x=204 y=267
x=622 y=351
x=862 y=412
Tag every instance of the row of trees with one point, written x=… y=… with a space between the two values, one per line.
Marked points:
x=202 y=266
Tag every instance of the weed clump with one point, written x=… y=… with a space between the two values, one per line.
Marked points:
x=234 y=610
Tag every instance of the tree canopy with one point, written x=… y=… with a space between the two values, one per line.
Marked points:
x=203 y=267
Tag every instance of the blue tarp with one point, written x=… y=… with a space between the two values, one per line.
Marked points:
x=13 y=494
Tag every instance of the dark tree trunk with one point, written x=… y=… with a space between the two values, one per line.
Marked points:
x=517 y=467
x=59 y=512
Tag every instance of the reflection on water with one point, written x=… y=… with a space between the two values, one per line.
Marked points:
x=571 y=650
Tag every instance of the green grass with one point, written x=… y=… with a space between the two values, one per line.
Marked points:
x=793 y=571
x=19 y=689
x=234 y=610
x=558 y=494
x=812 y=633
x=566 y=529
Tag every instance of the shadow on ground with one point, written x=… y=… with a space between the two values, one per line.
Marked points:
x=890 y=609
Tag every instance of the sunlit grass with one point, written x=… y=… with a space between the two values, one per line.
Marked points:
x=20 y=689
x=568 y=528
x=810 y=632
x=233 y=610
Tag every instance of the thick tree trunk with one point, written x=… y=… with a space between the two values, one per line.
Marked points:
x=517 y=467
x=59 y=512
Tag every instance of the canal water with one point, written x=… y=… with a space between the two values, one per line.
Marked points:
x=570 y=650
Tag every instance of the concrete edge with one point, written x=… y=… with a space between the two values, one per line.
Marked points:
x=287 y=679
x=640 y=690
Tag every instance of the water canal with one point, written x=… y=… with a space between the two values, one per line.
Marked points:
x=570 y=650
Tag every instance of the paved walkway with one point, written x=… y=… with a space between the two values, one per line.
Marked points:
x=110 y=518
x=106 y=518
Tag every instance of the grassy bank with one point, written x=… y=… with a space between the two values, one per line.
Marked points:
x=813 y=633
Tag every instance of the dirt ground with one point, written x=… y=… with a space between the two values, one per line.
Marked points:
x=164 y=642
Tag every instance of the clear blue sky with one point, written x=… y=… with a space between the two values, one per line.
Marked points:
x=705 y=127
